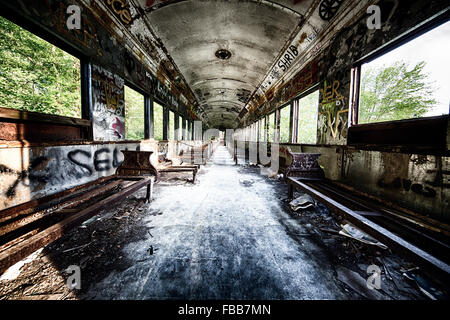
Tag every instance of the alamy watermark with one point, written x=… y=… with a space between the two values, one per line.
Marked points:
x=74 y=20
x=374 y=280
x=74 y=279
x=374 y=20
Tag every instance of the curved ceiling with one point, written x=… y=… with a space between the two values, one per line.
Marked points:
x=254 y=32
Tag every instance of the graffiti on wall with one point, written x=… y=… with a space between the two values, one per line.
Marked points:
x=86 y=36
x=302 y=81
x=55 y=169
x=54 y=15
x=121 y=9
x=108 y=105
x=333 y=114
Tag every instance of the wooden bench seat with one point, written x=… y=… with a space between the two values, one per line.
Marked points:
x=138 y=163
x=30 y=226
x=413 y=238
x=194 y=154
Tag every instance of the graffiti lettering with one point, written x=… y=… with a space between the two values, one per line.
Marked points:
x=331 y=116
x=101 y=164
x=121 y=10
x=285 y=62
x=86 y=35
x=24 y=174
x=72 y=157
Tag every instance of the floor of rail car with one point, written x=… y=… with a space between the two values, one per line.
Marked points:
x=231 y=235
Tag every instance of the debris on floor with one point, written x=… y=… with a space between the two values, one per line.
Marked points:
x=139 y=251
x=358 y=284
x=246 y=183
x=303 y=202
x=351 y=231
x=426 y=286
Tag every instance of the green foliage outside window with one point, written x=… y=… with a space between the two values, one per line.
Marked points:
x=394 y=92
x=158 y=121
x=271 y=127
x=307 y=118
x=171 y=125
x=285 y=115
x=262 y=130
x=37 y=76
x=134 y=115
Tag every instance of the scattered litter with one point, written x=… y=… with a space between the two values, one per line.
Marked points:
x=246 y=183
x=428 y=288
x=106 y=216
x=351 y=231
x=126 y=215
x=358 y=284
x=85 y=223
x=329 y=230
x=76 y=248
x=303 y=202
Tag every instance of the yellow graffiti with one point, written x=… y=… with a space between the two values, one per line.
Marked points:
x=334 y=131
x=112 y=99
x=120 y=8
x=330 y=93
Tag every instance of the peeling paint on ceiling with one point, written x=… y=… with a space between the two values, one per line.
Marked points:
x=229 y=50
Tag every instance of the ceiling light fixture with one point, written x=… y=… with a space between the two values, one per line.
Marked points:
x=223 y=54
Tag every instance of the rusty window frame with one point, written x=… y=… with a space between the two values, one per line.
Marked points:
x=355 y=72
x=27 y=118
x=148 y=104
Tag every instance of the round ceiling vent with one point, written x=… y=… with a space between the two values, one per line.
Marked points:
x=223 y=54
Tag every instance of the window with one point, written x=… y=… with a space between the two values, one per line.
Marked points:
x=134 y=115
x=285 y=116
x=271 y=127
x=177 y=128
x=262 y=130
x=171 y=125
x=191 y=130
x=408 y=82
x=158 y=112
x=307 y=118
x=36 y=75
x=182 y=125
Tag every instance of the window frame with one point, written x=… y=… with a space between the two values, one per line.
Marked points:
x=278 y=121
x=296 y=115
x=146 y=105
x=31 y=118
x=359 y=134
x=152 y=116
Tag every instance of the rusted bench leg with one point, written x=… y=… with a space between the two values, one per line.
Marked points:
x=194 y=175
x=290 y=191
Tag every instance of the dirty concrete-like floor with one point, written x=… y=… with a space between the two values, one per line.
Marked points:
x=224 y=238
x=229 y=236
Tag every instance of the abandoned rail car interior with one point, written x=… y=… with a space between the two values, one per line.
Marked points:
x=224 y=150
